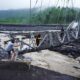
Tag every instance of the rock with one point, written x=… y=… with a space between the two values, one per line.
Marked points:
x=78 y=59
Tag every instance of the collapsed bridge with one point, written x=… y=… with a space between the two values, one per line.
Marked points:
x=48 y=38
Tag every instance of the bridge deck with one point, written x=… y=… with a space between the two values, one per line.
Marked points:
x=11 y=27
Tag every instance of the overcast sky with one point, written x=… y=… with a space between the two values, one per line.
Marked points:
x=18 y=4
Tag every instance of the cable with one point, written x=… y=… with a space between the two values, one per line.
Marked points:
x=66 y=6
x=76 y=16
x=57 y=3
x=49 y=3
x=60 y=12
x=41 y=5
x=35 y=4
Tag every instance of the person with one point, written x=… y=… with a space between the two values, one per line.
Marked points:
x=24 y=49
x=62 y=32
x=10 y=49
x=38 y=38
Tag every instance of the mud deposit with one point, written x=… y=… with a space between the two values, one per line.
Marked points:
x=19 y=71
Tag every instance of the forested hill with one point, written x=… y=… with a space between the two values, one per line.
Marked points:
x=13 y=13
x=46 y=16
x=16 y=16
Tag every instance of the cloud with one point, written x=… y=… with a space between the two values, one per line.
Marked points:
x=16 y=4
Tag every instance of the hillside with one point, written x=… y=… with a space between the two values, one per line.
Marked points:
x=47 y=16
x=15 y=16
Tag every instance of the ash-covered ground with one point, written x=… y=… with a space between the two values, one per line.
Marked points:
x=60 y=64
x=45 y=65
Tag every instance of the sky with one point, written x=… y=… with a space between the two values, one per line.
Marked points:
x=19 y=4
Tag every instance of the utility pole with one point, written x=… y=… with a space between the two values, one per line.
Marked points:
x=30 y=12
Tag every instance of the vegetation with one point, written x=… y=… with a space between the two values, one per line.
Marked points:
x=48 y=16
